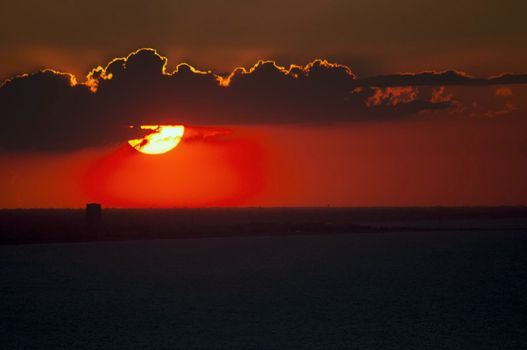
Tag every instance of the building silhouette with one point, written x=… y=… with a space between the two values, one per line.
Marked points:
x=93 y=213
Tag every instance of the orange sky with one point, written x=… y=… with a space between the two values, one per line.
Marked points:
x=330 y=102
x=423 y=162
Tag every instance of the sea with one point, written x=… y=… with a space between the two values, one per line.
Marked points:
x=430 y=289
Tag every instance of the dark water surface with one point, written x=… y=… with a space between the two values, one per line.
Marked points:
x=428 y=290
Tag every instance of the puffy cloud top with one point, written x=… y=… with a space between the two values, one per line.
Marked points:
x=50 y=110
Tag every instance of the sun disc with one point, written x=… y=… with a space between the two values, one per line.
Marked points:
x=162 y=139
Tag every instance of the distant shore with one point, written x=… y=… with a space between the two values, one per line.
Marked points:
x=23 y=226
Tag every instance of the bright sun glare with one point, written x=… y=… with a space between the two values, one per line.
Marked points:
x=162 y=139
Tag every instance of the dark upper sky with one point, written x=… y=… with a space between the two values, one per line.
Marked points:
x=481 y=37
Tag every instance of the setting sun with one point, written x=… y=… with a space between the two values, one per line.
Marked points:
x=162 y=139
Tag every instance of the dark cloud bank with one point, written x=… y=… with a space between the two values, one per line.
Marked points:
x=50 y=111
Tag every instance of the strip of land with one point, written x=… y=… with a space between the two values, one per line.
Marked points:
x=22 y=226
